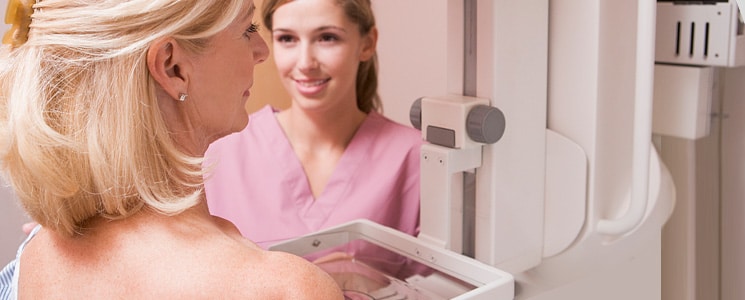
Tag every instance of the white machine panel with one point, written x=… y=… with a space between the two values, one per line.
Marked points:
x=682 y=101
x=699 y=34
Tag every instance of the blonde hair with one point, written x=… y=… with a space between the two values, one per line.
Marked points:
x=82 y=135
x=359 y=12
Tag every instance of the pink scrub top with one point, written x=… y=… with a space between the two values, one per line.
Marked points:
x=258 y=183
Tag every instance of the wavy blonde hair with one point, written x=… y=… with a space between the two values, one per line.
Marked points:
x=81 y=133
x=359 y=12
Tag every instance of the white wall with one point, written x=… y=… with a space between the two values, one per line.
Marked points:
x=733 y=186
x=11 y=219
x=402 y=79
x=11 y=215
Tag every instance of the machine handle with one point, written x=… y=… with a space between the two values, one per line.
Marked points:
x=642 y=125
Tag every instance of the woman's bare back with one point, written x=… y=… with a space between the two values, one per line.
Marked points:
x=163 y=259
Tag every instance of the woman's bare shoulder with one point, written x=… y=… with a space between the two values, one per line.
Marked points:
x=312 y=282
x=270 y=274
x=164 y=265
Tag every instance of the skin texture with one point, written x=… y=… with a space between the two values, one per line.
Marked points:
x=217 y=83
x=178 y=257
x=317 y=50
x=192 y=255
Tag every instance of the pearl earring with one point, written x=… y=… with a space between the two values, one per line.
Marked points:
x=182 y=97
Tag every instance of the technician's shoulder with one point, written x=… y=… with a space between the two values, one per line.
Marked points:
x=394 y=131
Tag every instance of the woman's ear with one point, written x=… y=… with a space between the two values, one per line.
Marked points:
x=168 y=63
x=369 y=44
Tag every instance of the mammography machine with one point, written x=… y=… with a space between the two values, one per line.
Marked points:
x=540 y=179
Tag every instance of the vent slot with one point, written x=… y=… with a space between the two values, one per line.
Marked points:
x=677 y=40
x=693 y=36
x=706 y=40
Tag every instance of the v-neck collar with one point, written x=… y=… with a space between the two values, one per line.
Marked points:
x=344 y=172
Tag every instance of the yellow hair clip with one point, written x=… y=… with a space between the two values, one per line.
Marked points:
x=18 y=15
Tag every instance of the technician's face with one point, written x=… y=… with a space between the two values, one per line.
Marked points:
x=317 y=50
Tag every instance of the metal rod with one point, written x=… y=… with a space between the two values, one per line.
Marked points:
x=469 y=89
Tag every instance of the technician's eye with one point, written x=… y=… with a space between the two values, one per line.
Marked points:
x=283 y=38
x=328 y=38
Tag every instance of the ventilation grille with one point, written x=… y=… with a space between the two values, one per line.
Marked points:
x=696 y=34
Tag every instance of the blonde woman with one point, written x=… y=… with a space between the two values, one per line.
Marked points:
x=106 y=109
